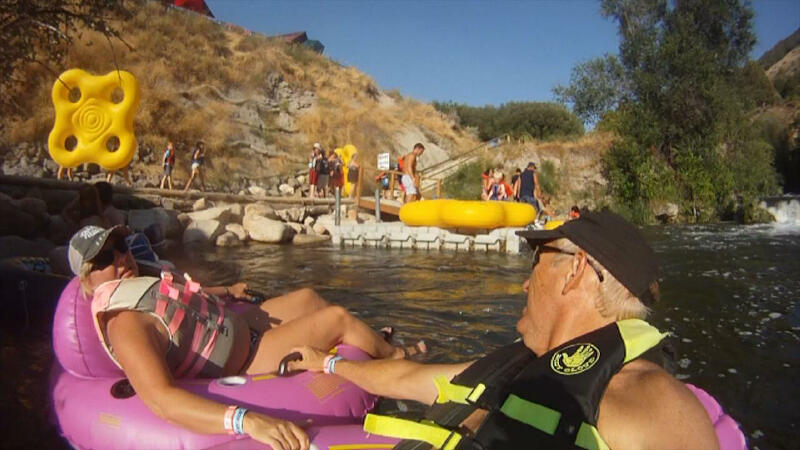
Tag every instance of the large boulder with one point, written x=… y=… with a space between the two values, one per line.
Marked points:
x=14 y=221
x=167 y=219
x=202 y=231
x=221 y=214
x=238 y=230
x=294 y=214
x=14 y=246
x=262 y=229
x=200 y=204
x=261 y=209
x=666 y=212
x=286 y=189
x=298 y=228
x=257 y=190
x=228 y=239
x=309 y=239
x=318 y=210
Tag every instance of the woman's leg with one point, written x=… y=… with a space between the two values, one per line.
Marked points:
x=286 y=308
x=322 y=329
x=191 y=178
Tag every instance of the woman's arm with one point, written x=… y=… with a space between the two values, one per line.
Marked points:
x=139 y=348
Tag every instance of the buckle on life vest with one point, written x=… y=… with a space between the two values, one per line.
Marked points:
x=435 y=435
x=451 y=392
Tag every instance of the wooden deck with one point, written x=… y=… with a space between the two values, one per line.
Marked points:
x=391 y=207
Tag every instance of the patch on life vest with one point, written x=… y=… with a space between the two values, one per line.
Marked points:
x=575 y=359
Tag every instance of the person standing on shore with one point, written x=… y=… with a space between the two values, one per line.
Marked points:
x=323 y=174
x=529 y=186
x=169 y=164
x=410 y=179
x=312 y=170
x=198 y=159
x=352 y=174
x=125 y=174
x=515 y=182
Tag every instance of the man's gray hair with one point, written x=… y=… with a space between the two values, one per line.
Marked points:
x=614 y=299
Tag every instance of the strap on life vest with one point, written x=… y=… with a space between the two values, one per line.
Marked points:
x=450 y=392
x=435 y=435
x=546 y=420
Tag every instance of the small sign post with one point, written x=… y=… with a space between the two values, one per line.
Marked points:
x=383 y=161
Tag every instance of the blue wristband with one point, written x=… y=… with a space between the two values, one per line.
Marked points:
x=238 y=420
x=332 y=363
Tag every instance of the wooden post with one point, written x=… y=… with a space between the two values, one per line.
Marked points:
x=358 y=184
x=438 y=188
x=392 y=176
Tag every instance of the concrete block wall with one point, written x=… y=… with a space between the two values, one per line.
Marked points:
x=397 y=235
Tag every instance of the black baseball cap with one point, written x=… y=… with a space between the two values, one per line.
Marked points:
x=613 y=242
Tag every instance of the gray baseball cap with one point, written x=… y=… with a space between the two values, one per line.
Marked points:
x=87 y=243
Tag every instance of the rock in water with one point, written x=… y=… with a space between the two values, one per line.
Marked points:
x=310 y=239
x=262 y=229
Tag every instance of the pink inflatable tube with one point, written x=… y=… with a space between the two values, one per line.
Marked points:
x=96 y=408
x=729 y=434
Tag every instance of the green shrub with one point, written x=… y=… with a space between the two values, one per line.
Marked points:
x=465 y=184
x=548 y=178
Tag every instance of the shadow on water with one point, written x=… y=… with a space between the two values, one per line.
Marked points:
x=731 y=296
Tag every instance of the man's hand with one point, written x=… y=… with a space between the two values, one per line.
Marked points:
x=278 y=433
x=313 y=359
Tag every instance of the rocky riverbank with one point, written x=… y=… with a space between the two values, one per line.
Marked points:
x=32 y=223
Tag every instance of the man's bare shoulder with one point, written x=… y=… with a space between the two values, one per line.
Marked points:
x=644 y=407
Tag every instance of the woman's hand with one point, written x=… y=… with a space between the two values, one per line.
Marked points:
x=278 y=433
x=313 y=359
x=237 y=290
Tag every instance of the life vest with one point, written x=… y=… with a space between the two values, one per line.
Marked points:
x=169 y=157
x=201 y=330
x=547 y=402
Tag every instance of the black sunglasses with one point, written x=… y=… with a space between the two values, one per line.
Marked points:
x=539 y=249
x=105 y=258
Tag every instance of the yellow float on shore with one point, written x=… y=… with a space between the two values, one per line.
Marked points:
x=467 y=214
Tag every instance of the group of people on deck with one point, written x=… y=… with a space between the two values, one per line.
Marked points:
x=592 y=282
x=524 y=186
x=326 y=172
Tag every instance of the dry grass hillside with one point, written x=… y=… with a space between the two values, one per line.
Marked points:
x=257 y=102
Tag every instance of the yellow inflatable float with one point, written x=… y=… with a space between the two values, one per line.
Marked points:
x=91 y=124
x=467 y=214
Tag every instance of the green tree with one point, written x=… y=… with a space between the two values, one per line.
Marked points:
x=596 y=87
x=685 y=126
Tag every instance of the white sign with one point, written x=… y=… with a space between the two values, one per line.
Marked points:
x=383 y=161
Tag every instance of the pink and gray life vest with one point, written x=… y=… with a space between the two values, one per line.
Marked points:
x=201 y=329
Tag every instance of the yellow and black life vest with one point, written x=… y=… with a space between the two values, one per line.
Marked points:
x=549 y=401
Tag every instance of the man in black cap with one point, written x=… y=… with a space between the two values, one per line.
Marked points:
x=574 y=381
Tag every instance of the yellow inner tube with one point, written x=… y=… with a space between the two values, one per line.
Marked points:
x=467 y=214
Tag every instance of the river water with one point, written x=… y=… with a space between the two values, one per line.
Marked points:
x=730 y=296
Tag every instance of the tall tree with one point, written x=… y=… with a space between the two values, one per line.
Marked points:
x=685 y=129
x=596 y=87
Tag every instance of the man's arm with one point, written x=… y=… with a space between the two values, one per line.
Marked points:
x=646 y=408
x=393 y=378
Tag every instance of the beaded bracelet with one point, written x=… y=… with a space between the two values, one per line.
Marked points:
x=330 y=363
x=227 y=420
x=238 y=420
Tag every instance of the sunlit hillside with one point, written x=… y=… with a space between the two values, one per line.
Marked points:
x=258 y=102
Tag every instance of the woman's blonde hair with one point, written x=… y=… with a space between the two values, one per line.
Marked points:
x=83 y=275
x=614 y=299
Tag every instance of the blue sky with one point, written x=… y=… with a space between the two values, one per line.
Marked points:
x=469 y=51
